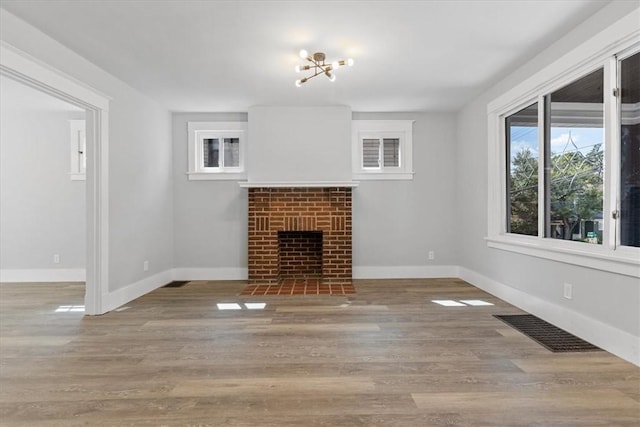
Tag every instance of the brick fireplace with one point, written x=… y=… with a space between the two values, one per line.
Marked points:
x=299 y=233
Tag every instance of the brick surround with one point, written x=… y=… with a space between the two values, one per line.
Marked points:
x=286 y=212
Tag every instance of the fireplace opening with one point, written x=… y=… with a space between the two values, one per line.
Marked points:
x=299 y=254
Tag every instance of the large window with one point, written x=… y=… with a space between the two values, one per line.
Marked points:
x=216 y=150
x=630 y=151
x=564 y=168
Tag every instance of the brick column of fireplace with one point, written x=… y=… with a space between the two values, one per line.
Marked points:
x=323 y=210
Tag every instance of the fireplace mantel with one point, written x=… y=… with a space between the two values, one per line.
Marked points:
x=298 y=184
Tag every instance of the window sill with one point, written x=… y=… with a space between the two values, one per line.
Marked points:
x=384 y=176
x=77 y=176
x=624 y=260
x=216 y=176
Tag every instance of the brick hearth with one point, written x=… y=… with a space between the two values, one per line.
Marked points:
x=281 y=215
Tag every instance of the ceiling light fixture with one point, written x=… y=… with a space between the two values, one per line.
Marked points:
x=318 y=66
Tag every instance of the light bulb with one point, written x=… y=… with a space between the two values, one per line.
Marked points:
x=332 y=78
x=304 y=54
x=335 y=65
x=298 y=83
x=350 y=62
x=297 y=68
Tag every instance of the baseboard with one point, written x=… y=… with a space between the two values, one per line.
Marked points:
x=210 y=274
x=44 y=275
x=607 y=337
x=405 y=272
x=135 y=290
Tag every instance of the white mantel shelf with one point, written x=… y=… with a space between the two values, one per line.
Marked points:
x=298 y=184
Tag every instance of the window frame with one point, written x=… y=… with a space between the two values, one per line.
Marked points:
x=78 y=159
x=402 y=130
x=610 y=45
x=198 y=132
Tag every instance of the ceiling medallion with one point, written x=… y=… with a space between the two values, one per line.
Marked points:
x=318 y=66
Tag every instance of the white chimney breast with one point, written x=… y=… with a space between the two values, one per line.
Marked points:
x=299 y=144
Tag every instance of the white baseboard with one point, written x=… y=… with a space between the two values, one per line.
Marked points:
x=405 y=272
x=135 y=290
x=44 y=275
x=607 y=337
x=210 y=274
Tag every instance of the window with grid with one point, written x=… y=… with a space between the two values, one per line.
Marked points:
x=382 y=149
x=216 y=150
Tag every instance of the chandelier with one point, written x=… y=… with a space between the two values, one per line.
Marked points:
x=318 y=66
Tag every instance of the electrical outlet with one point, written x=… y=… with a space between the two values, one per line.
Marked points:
x=145 y=266
x=56 y=258
x=432 y=255
x=568 y=290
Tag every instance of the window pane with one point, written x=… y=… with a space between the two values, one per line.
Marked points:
x=370 y=153
x=522 y=171
x=630 y=151
x=574 y=155
x=391 y=148
x=231 y=152
x=211 y=152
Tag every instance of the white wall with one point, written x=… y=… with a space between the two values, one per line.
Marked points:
x=42 y=211
x=603 y=303
x=395 y=224
x=299 y=143
x=210 y=217
x=140 y=181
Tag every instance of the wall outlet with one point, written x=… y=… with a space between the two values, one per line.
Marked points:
x=145 y=266
x=432 y=255
x=56 y=258
x=568 y=290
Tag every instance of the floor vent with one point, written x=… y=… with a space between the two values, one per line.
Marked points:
x=176 y=284
x=544 y=333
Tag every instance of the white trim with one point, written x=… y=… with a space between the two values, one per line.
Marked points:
x=386 y=176
x=625 y=261
x=381 y=129
x=22 y=66
x=43 y=275
x=210 y=274
x=135 y=290
x=216 y=176
x=298 y=184
x=607 y=337
x=405 y=272
x=77 y=142
x=32 y=72
x=199 y=130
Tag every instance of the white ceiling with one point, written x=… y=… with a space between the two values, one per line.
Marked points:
x=228 y=55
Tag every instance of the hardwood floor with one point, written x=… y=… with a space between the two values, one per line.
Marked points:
x=386 y=356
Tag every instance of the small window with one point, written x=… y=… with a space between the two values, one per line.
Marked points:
x=216 y=150
x=382 y=149
x=78 y=150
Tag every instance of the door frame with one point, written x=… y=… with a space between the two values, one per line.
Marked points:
x=36 y=74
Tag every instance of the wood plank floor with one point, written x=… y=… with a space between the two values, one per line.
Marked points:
x=386 y=356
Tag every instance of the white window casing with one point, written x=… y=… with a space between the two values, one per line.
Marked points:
x=230 y=163
x=78 y=150
x=601 y=51
x=382 y=149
